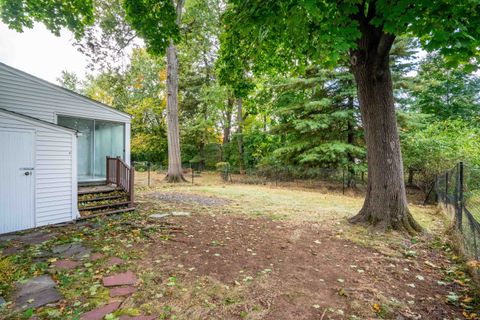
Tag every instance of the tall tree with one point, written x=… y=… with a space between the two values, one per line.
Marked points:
x=158 y=23
x=233 y=72
x=74 y=15
x=69 y=80
x=106 y=42
x=139 y=89
x=318 y=116
x=241 y=148
x=446 y=93
x=197 y=52
x=298 y=31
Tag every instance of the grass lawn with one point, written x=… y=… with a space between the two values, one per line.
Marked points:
x=239 y=251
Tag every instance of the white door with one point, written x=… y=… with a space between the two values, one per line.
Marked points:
x=17 y=180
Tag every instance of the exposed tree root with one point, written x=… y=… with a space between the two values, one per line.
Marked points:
x=402 y=222
x=175 y=178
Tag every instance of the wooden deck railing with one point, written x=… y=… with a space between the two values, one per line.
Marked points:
x=122 y=175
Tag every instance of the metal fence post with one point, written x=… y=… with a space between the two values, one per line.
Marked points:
x=276 y=175
x=191 y=169
x=148 y=168
x=446 y=189
x=460 y=196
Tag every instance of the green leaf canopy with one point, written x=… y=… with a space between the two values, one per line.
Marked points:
x=299 y=31
x=155 y=22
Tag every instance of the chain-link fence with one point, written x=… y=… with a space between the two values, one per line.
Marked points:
x=458 y=191
x=282 y=175
x=151 y=173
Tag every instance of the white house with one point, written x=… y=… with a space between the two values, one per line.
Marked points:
x=52 y=140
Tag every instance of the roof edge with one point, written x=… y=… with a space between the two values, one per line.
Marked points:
x=62 y=89
x=33 y=119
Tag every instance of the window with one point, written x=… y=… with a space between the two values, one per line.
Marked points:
x=97 y=140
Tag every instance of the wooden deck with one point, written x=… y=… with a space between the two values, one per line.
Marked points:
x=96 y=189
x=114 y=196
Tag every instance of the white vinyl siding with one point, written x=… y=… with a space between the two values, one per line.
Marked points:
x=55 y=174
x=37 y=98
x=25 y=94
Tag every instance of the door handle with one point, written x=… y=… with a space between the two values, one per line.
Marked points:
x=27 y=173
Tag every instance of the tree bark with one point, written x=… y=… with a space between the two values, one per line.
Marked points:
x=385 y=205
x=241 y=159
x=174 y=173
x=227 y=122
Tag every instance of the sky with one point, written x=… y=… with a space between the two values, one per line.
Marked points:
x=38 y=52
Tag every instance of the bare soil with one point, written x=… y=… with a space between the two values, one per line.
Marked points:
x=227 y=265
x=297 y=271
x=242 y=251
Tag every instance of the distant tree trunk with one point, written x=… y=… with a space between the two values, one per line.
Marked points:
x=228 y=122
x=174 y=173
x=203 y=142
x=351 y=140
x=411 y=173
x=385 y=205
x=241 y=159
x=201 y=152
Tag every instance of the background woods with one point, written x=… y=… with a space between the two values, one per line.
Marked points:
x=243 y=103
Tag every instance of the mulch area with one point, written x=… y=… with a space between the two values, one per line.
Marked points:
x=186 y=198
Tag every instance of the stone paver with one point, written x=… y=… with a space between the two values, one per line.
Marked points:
x=16 y=242
x=96 y=256
x=10 y=250
x=36 y=237
x=42 y=256
x=9 y=237
x=120 y=279
x=36 y=292
x=122 y=291
x=159 y=215
x=180 y=214
x=65 y=264
x=71 y=250
x=113 y=261
x=100 y=313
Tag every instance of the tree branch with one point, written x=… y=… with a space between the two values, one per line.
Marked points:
x=385 y=44
x=372 y=10
x=179 y=8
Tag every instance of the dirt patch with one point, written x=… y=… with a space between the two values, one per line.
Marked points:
x=263 y=269
x=187 y=198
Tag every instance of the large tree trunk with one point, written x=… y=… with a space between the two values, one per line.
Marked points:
x=385 y=205
x=241 y=156
x=174 y=173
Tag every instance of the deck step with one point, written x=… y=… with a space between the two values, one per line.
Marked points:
x=85 y=191
x=103 y=198
x=103 y=206
x=104 y=213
